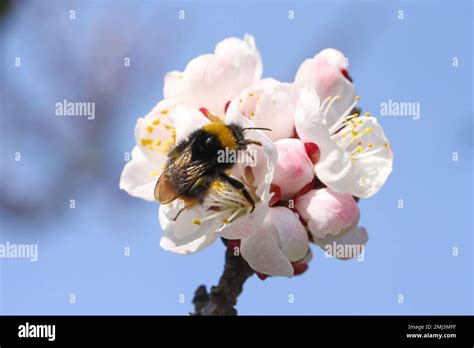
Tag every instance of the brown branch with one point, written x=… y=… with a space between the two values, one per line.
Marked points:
x=223 y=297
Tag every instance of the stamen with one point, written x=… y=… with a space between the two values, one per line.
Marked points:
x=225 y=202
x=330 y=104
x=323 y=105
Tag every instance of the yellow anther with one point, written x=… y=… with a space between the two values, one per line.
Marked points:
x=217 y=185
x=158 y=142
x=367 y=114
x=359 y=149
x=164 y=112
x=356 y=114
x=146 y=141
x=385 y=145
x=150 y=129
x=370 y=146
x=154 y=173
x=250 y=94
x=167 y=126
x=196 y=221
x=357 y=97
x=354 y=132
x=156 y=122
x=225 y=221
x=252 y=114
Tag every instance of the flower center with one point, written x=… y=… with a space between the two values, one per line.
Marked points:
x=224 y=202
x=350 y=131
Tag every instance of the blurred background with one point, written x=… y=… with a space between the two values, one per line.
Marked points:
x=83 y=267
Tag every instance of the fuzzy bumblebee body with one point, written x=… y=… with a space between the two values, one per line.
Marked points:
x=193 y=164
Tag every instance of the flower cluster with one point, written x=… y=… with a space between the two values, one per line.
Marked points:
x=320 y=156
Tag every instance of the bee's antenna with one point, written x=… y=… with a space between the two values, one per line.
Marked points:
x=259 y=128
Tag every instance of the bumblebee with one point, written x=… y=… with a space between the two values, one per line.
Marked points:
x=193 y=164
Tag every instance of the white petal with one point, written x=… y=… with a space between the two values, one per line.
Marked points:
x=335 y=58
x=192 y=247
x=211 y=80
x=270 y=103
x=174 y=86
x=293 y=236
x=166 y=124
x=184 y=235
x=275 y=109
x=263 y=254
x=245 y=225
x=139 y=176
x=336 y=170
x=327 y=80
x=249 y=97
x=364 y=174
x=243 y=53
x=373 y=165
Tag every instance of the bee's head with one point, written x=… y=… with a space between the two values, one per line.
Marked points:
x=206 y=145
x=218 y=136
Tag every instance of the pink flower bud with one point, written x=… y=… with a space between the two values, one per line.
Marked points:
x=294 y=169
x=327 y=212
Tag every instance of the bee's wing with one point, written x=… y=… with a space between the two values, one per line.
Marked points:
x=164 y=190
x=179 y=176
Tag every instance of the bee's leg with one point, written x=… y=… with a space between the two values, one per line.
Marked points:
x=179 y=213
x=185 y=202
x=239 y=186
x=246 y=142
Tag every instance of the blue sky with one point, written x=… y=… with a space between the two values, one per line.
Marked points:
x=81 y=250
